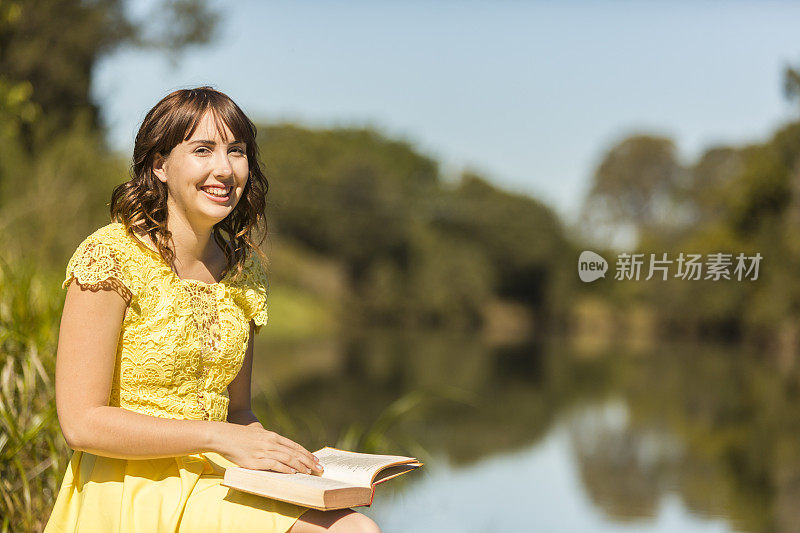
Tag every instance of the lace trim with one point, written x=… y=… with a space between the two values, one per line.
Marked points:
x=96 y=267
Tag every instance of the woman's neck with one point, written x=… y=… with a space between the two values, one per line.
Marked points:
x=192 y=244
x=195 y=251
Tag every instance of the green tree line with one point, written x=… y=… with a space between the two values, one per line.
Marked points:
x=731 y=199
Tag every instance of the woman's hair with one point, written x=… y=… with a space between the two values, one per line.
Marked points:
x=142 y=200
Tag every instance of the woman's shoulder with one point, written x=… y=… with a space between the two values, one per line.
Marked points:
x=103 y=254
x=112 y=235
x=256 y=269
x=253 y=276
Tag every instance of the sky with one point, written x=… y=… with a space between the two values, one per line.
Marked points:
x=529 y=94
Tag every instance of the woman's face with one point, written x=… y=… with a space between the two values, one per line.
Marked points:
x=205 y=175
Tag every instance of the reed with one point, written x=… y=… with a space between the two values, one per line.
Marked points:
x=33 y=453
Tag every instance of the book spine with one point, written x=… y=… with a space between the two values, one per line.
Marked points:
x=371 y=496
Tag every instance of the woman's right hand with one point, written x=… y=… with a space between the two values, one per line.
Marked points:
x=258 y=448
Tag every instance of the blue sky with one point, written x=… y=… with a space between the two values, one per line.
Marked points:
x=530 y=94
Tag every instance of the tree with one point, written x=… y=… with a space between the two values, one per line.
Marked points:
x=49 y=48
x=635 y=185
x=521 y=237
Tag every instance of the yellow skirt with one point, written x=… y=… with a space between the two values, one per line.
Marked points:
x=172 y=494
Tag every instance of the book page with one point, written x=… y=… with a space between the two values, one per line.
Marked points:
x=309 y=480
x=352 y=467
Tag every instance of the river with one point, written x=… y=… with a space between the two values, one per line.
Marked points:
x=537 y=436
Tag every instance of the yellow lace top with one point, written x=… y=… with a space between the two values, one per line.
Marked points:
x=182 y=341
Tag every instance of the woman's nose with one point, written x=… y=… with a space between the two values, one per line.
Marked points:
x=223 y=166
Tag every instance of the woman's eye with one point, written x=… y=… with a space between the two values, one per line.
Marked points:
x=204 y=150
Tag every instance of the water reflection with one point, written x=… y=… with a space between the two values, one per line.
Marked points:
x=536 y=489
x=620 y=467
x=538 y=436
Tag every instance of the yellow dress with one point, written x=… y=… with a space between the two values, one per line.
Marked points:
x=181 y=343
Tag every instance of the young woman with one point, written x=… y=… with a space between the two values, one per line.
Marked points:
x=156 y=343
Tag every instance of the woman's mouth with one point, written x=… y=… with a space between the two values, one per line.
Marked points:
x=217 y=194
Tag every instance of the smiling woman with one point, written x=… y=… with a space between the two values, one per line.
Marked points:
x=192 y=143
x=155 y=350
x=207 y=166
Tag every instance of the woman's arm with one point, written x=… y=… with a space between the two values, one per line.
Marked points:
x=87 y=346
x=240 y=409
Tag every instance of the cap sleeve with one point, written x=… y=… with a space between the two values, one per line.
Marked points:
x=256 y=292
x=99 y=264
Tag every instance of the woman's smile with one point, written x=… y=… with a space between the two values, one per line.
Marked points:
x=217 y=194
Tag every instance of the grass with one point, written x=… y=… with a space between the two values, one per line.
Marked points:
x=33 y=453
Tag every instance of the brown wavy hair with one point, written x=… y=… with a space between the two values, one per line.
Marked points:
x=142 y=201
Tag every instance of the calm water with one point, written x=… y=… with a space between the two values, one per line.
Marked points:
x=537 y=437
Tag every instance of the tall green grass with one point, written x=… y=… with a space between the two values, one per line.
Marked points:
x=33 y=453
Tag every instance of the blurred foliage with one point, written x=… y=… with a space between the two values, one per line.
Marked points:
x=417 y=252
x=46 y=72
x=731 y=200
x=635 y=183
x=48 y=203
x=522 y=239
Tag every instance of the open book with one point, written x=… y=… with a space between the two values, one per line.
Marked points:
x=348 y=479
